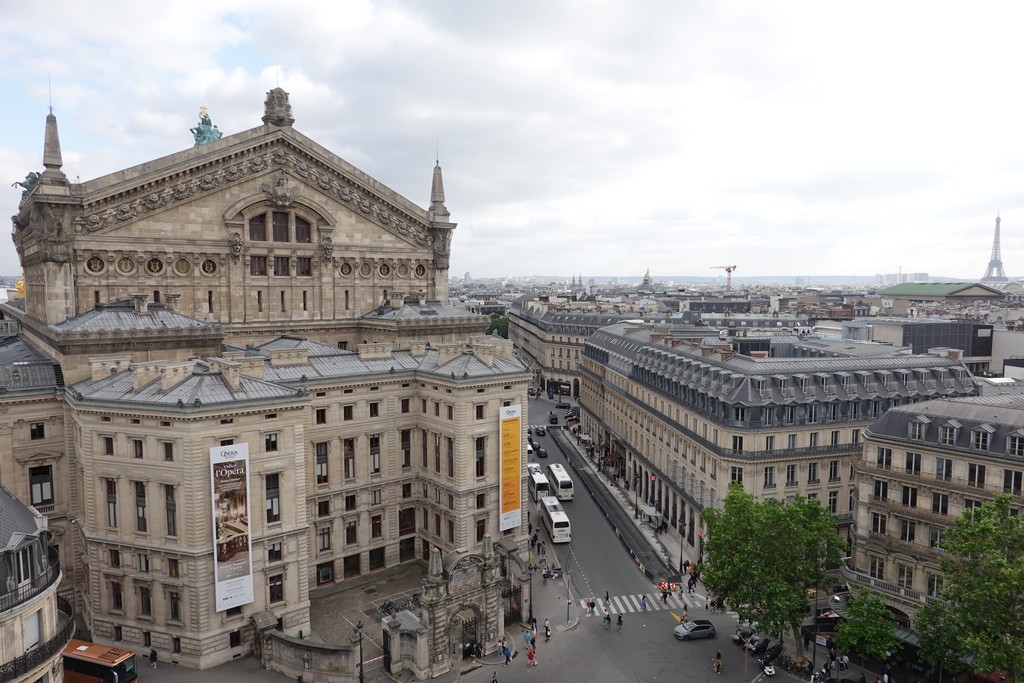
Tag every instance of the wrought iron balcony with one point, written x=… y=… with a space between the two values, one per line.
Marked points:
x=44 y=652
x=38 y=583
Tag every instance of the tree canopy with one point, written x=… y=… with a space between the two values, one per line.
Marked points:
x=982 y=597
x=499 y=323
x=763 y=556
x=867 y=628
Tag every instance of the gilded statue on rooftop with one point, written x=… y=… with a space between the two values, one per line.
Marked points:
x=205 y=131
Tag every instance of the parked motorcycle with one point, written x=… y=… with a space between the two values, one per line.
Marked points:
x=743 y=635
x=759 y=645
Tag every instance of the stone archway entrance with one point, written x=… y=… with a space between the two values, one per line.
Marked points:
x=464 y=633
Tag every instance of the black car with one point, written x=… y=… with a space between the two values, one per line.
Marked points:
x=541 y=430
x=563 y=406
x=542 y=452
x=553 y=419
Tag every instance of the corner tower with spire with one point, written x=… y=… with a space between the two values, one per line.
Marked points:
x=441 y=229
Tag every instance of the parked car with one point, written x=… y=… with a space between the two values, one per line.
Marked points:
x=542 y=452
x=541 y=430
x=698 y=628
x=563 y=406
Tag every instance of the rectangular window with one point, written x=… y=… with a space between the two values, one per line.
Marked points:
x=976 y=475
x=304 y=266
x=116 y=596
x=302 y=232
x=140 y=506
x=769 y=477
x=833 y=502
x=350 y=502
x=812 y=414
x=908 y=530
x=910 y=496
x=349 y=456
x=272 y=499
x=833 y=470
x=324 y=573
x=108 y=445
x=881 y=490
x=935 y=536
x=1012 y=480
x=913 y=464
x=1015 y=445
x=375 y=496
x=257 y=266
x=883 y=458
x=173 y=568
x=879 y=522
x=375 y=409
x=479 y=412
x=405 y=438
x=916 y=431
x=115 y=558
x=943 y=469
x=171 y=510
x=137 y=448
x=321 y=462
x=275 y=586
x=791 y=475
x=347 y=413
x=280 y=219
x=143 y=562
x=270 y=442
x=407 y=490
x=351 y=532
x=321 y=416
x=736 y=475
x=145 y=601
x=812 y=440
x=940 y=503
x=174 y=600
x=737 y=444
x=168 y=451
x=258 y=229
x=274 y=552
x=934 y=585
x=481 y=530
x=947 y=435
x=769 y=443
x=376 y=526
x=904 y=576
x=876 y=568
x=812 y=473
x=111 y=486
x=855 y=436
x=374 y=453
x=36 y=431
x=323 y=538
x=405 y=405
x=41 y=483
x=980 y=439
x=451 y=531
x=323 y=508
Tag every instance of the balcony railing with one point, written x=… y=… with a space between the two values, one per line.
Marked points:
x=860 y=579
x=44 y=652
x=935 y=480
x=36 y=585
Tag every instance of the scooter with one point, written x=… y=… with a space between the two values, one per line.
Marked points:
x=743 y=636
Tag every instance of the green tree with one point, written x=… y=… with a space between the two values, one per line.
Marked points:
x=982 y=597
x=940 y=645
x=867 y=628
x=762 y=557
x=500 y=324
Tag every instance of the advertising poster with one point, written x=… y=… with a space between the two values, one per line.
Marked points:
x=511 y=513
x=232 y=554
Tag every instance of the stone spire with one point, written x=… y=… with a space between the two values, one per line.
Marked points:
x=52 y=160
x=438 y=211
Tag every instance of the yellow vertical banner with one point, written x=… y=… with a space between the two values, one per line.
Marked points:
x=511 y=513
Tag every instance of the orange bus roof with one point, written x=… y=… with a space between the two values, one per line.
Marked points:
x=95 y=652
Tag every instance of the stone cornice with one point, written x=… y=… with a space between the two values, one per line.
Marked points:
x=102 y=211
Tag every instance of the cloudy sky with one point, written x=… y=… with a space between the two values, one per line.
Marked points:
x=577 y=136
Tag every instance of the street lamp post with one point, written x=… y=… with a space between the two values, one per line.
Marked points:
x=636 y=495
x=531 y=592
x=359 y=631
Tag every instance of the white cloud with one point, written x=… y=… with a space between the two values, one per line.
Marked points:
x=595 y=137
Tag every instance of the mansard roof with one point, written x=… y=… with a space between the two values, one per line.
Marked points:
x=22 y=368
x=123 y=317
x=1001 y=416
x=649 y=355
x=429 y=311
x=17 y=521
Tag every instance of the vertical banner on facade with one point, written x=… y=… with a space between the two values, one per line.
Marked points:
x=232 y=549
x=511 y=514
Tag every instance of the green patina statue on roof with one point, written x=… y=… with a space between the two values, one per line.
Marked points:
x=205 y=131
x=29 y=183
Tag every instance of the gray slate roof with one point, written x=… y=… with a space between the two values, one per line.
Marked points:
x=22 y=368
x=121 y=316
x=16 y=520
x=1002 y=414
x=431 y=311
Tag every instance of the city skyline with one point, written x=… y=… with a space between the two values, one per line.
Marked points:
x=785 y=140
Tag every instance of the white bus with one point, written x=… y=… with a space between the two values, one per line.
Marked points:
x=555 y=520
x=561 y=484
x=539 y=487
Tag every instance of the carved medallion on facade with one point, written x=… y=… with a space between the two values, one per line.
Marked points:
x=95 y=265
x=365 y=270
x=209 y=267
x=125 y=265
x=421 y=270
x=403 y=270
x=346 y=268
x=154 y=266
x=183 y=266
x=385 y=270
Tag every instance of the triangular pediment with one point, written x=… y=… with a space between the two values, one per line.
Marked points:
x=278 y=166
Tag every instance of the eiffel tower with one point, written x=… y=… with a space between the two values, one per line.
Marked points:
x=994 y=272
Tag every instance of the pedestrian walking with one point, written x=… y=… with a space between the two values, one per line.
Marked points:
x=643 y=608
x=494 y=676
x=664 y=597
x=547 y=632
x=607 y=600
x=686 y=616
x=507 y=653
x=152 y=658
x=846 y=662
x=718 y=662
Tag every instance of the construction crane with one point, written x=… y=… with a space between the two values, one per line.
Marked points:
x=728 y=275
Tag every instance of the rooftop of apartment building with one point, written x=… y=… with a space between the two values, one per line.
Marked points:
x=17 y=521
x=282 y=369
x=1000 y=415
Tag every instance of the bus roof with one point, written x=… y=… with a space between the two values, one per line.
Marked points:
x=551 y=503
x=95 y=652
x=539 y=477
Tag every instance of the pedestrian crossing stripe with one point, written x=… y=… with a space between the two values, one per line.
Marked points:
x=620 y=604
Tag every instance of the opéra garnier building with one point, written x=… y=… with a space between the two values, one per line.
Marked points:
x=257 y=290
